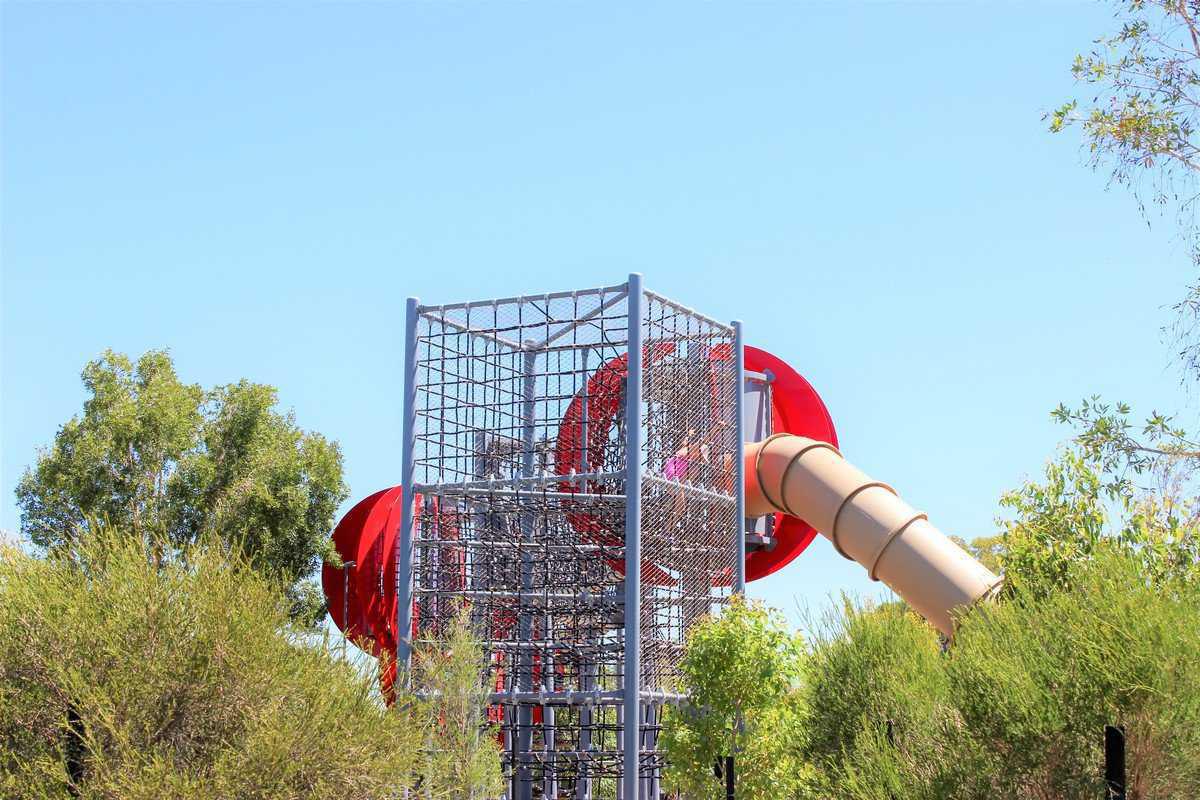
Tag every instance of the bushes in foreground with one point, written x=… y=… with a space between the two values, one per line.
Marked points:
x=1018 y=704
x=1016 y=707
x=123 y=677
x=119 y=679
x=743 y=672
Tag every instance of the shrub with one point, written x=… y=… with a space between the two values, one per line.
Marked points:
x=461 y=758
x=1038 y=677
x=742 y=671
x=880 y=715
x=1016 y=707
x=119 y=679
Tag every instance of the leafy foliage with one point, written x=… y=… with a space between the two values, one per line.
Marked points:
x=185 y=680
x=1037 y=677
x=1125 y=451
x=879 y=716
x=1145 y=79
x=1080 y=510
x=1139 y=121
x=1016 y=707
x=169 y=463
x=461 y=760
x=123 y=679
x=1057 y=523
x=742 y=671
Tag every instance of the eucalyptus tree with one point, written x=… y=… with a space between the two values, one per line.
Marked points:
x=1139 y=115
x=171 y=463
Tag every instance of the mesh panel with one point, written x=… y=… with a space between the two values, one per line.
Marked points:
x=688 y=502
x=521 y=467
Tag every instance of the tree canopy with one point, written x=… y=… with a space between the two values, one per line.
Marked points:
x=169 y=462
x=1140 y=120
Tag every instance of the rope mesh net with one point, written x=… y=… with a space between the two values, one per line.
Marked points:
x=521 y=470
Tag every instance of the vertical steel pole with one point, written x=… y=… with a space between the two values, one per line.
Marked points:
x=739 y=487
x=633 y=539
x=523 y=768
x=583 y=786
x=739 y=457
x=408 y=428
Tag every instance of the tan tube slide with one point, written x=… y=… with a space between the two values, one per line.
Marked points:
x=867 y=522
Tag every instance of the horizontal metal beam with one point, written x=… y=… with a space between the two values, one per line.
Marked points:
x=518 y=493
x=528 y=298
x=596 y=698
x=724 y=327
x=572 y=324
x=483 y=334
x=577 y=479
x=688 y=489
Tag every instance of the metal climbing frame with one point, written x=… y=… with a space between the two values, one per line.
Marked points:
x=582 y=567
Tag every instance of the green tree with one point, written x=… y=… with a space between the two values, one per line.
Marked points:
x=1079 y=510
x=1139 y=119
x=169 y=463
x=742 y=672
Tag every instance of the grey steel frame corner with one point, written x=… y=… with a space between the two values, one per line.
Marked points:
x=632 y=709
x=739 y=463
x=404 y=552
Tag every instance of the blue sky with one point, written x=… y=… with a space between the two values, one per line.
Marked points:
x=869 y=187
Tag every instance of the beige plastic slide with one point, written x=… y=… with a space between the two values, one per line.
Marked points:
x=867 y=522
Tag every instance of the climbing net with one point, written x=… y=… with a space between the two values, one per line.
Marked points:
x=521 y=465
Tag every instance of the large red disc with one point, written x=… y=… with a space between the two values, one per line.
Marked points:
x=795 y=408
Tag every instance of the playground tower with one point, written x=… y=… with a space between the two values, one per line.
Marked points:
x=582 y=546
x=589 y=473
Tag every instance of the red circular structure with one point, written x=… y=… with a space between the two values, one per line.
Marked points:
x=366 y=535
x=349 y=590
x=795 y=408
x=604 y=398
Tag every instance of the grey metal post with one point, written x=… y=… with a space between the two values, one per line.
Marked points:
x=408 y=464
x=521 y=768
x=583 y=786
x=739 y=453
x=633 y=539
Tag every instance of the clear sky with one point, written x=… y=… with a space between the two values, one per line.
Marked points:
x=869 y=187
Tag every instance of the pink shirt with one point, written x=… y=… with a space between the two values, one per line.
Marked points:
x=676 y=467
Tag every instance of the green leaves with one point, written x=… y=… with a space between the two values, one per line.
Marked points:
x=187 y=680
x=1016 y=705
x=1056 y=523
x=460 y=759
x=1088 y=504
x=168 y=462
x=1138 y=121
x=742 y=671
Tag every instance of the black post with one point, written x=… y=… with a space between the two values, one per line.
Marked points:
x=75 y=751
x=1114 y=762
x=730 y=780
